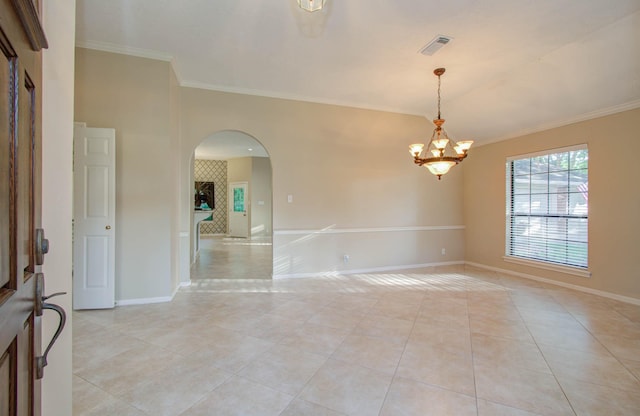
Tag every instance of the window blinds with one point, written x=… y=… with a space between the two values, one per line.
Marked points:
x=547 y=206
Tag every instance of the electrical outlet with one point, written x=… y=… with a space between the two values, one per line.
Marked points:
x=345 y=258
x=444 y=252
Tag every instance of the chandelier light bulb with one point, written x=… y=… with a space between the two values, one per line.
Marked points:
x=416 y=149
x=440 y=143
x=440 y=168
x=311 y=5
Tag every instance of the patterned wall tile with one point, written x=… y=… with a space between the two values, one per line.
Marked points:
x=214 y=171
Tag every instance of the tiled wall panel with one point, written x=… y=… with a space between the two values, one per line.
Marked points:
x=214 y=171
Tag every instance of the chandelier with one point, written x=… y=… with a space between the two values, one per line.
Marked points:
x=445 y=153
x=311 y=5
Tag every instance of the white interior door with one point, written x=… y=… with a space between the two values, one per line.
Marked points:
x=94 y=174
x=238 y=207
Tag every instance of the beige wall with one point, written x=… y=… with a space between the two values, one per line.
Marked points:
x=239 y=169
x=346 y=168
x=614 y=201
x=57 y=190
x=349 y=173
x=137 y=97
x=260 y=188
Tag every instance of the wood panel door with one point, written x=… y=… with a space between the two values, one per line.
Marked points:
x=21 y=39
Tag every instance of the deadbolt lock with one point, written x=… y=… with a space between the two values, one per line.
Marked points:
x=42 y=246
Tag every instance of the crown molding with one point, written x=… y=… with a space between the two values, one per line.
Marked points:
x=124 y=50
x=294 y=97
x=631 y=105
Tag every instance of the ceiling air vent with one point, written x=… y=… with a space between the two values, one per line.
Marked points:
x=435 y=45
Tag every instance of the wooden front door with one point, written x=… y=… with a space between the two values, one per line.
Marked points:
x=21 y=39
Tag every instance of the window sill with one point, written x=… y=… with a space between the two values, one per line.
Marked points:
x=576 y=271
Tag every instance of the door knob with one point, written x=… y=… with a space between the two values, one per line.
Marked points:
x=108 y=227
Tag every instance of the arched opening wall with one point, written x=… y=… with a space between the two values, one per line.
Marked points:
x=343 y=180
x=343 y=183
x=220 y=160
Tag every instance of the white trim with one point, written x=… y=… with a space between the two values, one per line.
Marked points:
x=576 y=271
x=294 y=97
x=581 y=146
x=368 y=270
x=631 y=105
x=125 y=50
x=597 y=292
x=184 y=233
x=143 y=301
x=369 y=230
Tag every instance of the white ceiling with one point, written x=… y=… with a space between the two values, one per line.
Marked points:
x=512 y=67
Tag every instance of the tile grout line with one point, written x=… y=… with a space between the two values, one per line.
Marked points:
x=564 y=393
x=404 y=349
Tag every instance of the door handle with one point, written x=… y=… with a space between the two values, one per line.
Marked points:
x=42 y=246
x=41 y=305
x=108 y=227
x=41 y=362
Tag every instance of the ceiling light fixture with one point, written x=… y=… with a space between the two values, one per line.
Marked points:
x=311 y=5
x=445 y=152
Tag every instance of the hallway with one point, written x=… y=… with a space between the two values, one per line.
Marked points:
x=222 y=257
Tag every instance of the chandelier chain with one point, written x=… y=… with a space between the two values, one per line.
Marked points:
x=439 y=97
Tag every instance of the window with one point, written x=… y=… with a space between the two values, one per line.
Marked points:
x=547 y=207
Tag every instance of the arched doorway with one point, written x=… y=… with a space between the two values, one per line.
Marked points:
x=232 y=183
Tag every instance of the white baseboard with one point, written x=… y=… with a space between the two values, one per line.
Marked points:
x=597 y=292
x=143 y=301
x=368 y=270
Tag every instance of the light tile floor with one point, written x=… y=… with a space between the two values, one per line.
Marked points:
x=449 y=341
x=233 y=258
